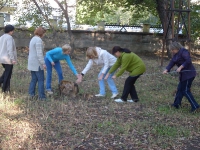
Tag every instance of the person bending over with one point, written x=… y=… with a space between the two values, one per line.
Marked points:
x=127 y=61
x=181 y=58
x=98 y=56
x=52 y=60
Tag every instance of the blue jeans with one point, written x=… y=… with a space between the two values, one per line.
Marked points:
x=58 y=69
x=183 y=89
x=37 y=76
x=110 y=82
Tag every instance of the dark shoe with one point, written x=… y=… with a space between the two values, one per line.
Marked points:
x=194 y=110
x=174 y=106
x=136 y=100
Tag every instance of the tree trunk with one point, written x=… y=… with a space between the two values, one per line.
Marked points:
x=65 y=11
x=47 y=20
x=2 y=4
x=71 y=37
x=161 y=6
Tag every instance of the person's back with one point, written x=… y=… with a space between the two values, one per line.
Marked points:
x=7 y=53
x=8 y=56
x=127 y=61
x=36 y=64
x=33 y=61
x=136 y=65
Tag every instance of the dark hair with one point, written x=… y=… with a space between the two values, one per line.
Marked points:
x=40 y=31
x=119 y=49
x=8 y=28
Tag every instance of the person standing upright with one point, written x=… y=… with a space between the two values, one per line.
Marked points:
x=36 y=63
x=8 y=56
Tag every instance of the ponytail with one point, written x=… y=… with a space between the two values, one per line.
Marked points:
x=126 y=50
x=119 y=49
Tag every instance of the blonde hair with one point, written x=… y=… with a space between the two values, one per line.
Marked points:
x=66 y=47
x=175 y=45
x=91 y=52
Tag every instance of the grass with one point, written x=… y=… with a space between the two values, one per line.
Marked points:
x=98 y=123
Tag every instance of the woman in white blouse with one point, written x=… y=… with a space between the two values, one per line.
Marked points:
x=98 y=56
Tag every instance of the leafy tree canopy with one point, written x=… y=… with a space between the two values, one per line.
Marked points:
x=118 y=11
x=195 y=21
x=30 y=13
x=129 y=12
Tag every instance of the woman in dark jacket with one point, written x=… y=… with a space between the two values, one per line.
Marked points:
x=187 y=73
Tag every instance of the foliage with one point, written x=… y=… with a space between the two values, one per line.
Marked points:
x=146 y=5
x=149 y=14
x=4 y=3
x=90 y=11
x=30 y=14
x=195 y=21
x=119 y=12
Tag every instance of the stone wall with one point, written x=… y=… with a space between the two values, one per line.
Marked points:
x=135 y=41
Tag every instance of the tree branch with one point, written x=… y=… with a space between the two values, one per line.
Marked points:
x=65 y=10
x=3 y=5
x=45 y=16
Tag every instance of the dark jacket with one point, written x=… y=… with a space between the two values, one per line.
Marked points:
x=183 y=58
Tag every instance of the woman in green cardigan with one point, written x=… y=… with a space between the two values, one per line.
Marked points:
x=127 y=61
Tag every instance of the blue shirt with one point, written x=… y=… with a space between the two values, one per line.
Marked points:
x=183 y=58
x=56 y=54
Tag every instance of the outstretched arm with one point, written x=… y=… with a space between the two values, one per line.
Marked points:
x=71 y=66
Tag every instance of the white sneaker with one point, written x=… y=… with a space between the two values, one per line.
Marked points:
x=119 y=100
x=131 y=101
x=49 y=92
x=99 y=95
x=114 y=95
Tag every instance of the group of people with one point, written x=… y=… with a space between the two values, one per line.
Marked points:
x=37 y=62
x=96 y=55
x=121 y=58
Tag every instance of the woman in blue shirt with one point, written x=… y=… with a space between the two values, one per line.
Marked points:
x=52 y=59
x=187 y=73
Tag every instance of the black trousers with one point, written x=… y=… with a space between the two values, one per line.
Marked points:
x=6 y=76
x=129 y=88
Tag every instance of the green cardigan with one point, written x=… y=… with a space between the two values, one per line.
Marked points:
x=129 y=62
